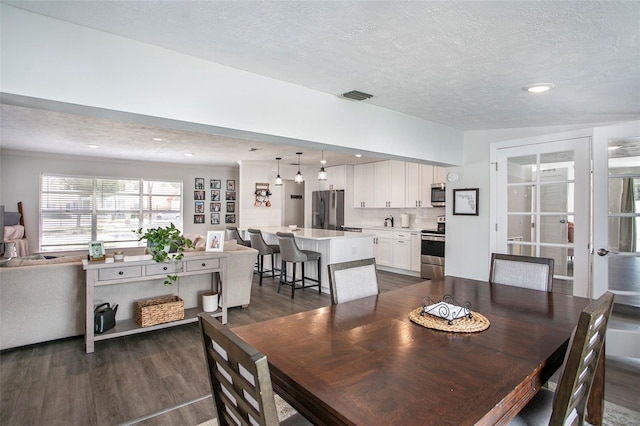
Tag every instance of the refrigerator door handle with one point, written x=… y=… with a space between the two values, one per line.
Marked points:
x=322 y=212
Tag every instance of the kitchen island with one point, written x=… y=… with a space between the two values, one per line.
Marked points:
x=333 y=246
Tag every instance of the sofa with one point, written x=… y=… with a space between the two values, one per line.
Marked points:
x=44 y=299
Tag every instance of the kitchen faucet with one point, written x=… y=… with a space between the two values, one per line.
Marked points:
x=390 y=218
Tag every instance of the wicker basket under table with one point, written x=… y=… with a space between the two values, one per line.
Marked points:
x=159 y=310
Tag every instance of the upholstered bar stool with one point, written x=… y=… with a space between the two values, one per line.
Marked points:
x=233 y=234
x=264 y=249
x=289 y=252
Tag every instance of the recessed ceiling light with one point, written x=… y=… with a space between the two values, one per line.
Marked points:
x=157 y=139
x=93 y=146
x=358 y=155
x=539 y=87
x=188 y=154
x=614 y=147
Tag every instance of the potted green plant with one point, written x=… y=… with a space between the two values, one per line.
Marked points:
x=166 y=244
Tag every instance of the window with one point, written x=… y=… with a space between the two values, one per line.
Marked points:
x=75 y=210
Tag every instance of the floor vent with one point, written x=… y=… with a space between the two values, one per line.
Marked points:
x=356 y=96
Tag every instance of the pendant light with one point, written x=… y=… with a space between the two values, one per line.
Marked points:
x=322 y=175
x=298 y=178
x=278 y=178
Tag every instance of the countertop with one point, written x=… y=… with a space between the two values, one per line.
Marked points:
x=316 y=234
x=395 y=228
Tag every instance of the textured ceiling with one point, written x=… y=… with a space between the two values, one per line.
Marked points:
x=459 y=63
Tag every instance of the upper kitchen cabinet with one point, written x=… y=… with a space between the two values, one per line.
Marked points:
x=389 y=184
x=336 y=177
x=363 y=185
x=420 y=177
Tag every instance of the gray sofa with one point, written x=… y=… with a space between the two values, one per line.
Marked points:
x=44 y=299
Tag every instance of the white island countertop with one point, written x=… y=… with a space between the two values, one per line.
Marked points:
x=316 y=234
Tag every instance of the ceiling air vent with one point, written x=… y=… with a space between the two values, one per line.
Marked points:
x=356 y=96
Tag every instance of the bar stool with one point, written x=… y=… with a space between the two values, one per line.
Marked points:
x=264 y=249
x=289 y=252
x=233 y=234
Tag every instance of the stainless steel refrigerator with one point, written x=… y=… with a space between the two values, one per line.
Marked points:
x=327 y=209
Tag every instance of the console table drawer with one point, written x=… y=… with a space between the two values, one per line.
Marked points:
x=119 y=273
x=161 y=269
x=203 y=264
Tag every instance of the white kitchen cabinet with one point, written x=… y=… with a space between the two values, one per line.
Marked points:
x=402 y=249
x=382 y=246
x=419 y=178
x=439 y=175
x=363 y=185
x=336 y=177
x=415 y=251
x=389 y=184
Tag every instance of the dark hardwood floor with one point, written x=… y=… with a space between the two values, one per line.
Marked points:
x=159 y=378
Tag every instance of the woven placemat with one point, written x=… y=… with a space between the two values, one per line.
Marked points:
x=476 y=323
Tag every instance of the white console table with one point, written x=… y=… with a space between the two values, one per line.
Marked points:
x=142 y=268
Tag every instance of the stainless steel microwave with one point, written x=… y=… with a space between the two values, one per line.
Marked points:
x=438 y=195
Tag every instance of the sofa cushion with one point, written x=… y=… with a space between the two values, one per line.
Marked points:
x=38 y=259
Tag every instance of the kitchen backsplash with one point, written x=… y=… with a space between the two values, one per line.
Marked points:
x=424 y=218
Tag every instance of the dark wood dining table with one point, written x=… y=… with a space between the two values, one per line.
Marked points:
x=366 y=363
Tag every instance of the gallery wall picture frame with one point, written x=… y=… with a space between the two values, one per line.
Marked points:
x=465 y=201
x=230 y=196
x=231 y=207
x=199 y=207
x=198 y=195
x=198 y=218
x=229 y=218
x=231 y=185
x=96 y=251
x=215 y=184
x=215 y=241
x=215 y=195
x=199 y=183
x=215 y=207
x=215 y=218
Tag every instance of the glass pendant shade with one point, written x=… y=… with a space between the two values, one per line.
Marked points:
x=299 y=178
x=322 y=174
x=278 y=178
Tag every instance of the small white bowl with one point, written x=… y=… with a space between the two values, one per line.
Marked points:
x=293 y=227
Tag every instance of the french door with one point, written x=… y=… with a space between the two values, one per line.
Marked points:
x=542 y=207
x=616 y=237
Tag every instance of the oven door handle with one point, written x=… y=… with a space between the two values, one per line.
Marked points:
x=430 y=238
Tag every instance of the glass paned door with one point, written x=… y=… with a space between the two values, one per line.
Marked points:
x=542 y=207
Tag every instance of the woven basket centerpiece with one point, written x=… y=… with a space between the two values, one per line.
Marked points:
x=159 y=310
x=448 y=315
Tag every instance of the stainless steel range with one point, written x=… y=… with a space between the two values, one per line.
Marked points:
x=432 y=251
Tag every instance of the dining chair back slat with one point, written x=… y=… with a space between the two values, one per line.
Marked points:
x=352 y=280
x=522 y=271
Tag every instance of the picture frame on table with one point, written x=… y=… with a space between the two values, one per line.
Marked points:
x=96 y=251
x=215 y=218
x=198 y=218
x=199 y=184
x=199 y=207
x=215 y=207
x=231 y=207
x=231 y=185
x=215 y=184
x=465 y=201
x=215 y=195
x=229 y=218
x=198 y=195
x=215 y=241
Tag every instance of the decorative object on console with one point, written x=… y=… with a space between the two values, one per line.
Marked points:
x=215 y=241
x=262 y=196
x=465 y=201
x=166 y=245
x=104 y=317
x=160 y=310
x=96 y=251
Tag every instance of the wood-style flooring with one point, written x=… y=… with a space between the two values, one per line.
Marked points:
x=159 y=378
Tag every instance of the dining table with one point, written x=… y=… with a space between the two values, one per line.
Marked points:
x=365 y=362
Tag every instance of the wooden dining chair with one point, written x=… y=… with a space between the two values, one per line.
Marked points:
x=352 y=280
x=567 y=405
x=522 y=271
x=240 y=379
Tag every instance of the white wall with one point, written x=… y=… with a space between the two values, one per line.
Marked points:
x=20 y=181
x=50 y=59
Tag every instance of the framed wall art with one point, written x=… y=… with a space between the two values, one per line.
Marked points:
x=231 y=207
x=214 y=207
x=229 y=218
x=215 y=195
x=215 y=184
x=198 y=218
x=199 y=207
x=199 y=184
x=215 y=241
x=198 y=195
x=215 y=218
x=231 y=185
x=231 y=196
x=465 y=201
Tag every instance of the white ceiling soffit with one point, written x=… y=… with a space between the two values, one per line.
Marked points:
x=458 y=63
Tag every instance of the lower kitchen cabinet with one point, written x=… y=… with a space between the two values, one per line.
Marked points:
x=416 y=247
x=402 y=250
